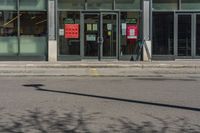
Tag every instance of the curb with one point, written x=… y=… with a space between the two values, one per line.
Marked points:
x=60 y=66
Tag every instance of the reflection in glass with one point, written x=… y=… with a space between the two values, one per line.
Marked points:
x=8 y=5
x=163 y=33
x=184 y=35
x=98 y=4
x=190 y=4
x=127 y=4
x=68 y=46
x=32 y=5
x=8 y=32
x=33 y=32
x=71 y=4
x=165 y=4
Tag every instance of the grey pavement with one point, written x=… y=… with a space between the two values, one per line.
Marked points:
x=102 y=68
x=99 y=105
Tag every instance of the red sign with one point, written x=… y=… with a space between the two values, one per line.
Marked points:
x=71 y=30
x=132 y=32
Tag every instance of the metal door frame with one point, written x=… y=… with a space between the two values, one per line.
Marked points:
x=100 y=49
x=193 y=36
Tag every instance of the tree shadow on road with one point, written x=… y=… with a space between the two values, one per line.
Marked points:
x=37 y=121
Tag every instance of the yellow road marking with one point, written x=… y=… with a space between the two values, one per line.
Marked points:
x=94 y=72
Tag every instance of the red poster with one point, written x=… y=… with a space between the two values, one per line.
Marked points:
x=132 y=32
x=71 y=30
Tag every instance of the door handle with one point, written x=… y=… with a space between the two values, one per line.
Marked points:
x=100 y=40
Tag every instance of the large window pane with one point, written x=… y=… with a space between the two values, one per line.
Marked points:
x=198 y=36
x=8 y=4
x=68 y=46
x=163 y=32
x=184 y=35
x=32 y=45
x=165 y=4
x=32 y=4
x=71 y=4
x=98 y=4
x=128 y=46
x=33 y=32
x=127 y=4
x=190 y=4
x=8 y=32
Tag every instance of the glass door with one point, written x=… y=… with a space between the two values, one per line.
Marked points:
x=91 y=35
x=184 y=35
x=109 y=34
x=187 y=35
x=100 y=35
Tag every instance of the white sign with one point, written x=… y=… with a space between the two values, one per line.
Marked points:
x=89 y=27
x=61 y=32
x=132 y=34
x=90 y=37
x=94 y=27
x=123 y=29
x=109 y=26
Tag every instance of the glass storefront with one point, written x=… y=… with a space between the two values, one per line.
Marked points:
x=23 y=32
x=100 y=33
x=96 y=28
x=175 y=28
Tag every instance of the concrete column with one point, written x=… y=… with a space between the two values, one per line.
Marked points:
x=147 y=48
x=52 y=42
x=52 y=51
x=147 y=54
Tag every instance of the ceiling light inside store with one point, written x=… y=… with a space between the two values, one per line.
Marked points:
x=33 y=17
x=41 y=22
x=11 y=20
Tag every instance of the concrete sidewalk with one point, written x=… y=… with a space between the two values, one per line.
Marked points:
x=103 y=64
x=96 y=68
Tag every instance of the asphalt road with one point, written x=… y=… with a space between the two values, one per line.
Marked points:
x=100 y=104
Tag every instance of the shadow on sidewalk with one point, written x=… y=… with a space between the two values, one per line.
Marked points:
x=38 y=87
